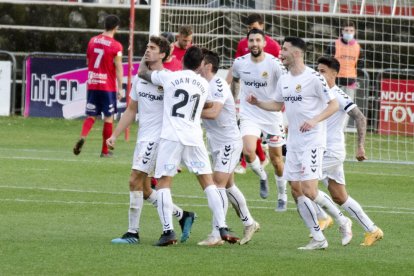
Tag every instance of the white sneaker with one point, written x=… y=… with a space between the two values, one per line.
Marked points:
x=239 y=169
x=346 y=232
x=249 y=232
x=315 y=245
x=211 y=241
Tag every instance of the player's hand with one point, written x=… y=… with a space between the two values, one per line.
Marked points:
x=119 y=94
x=308 y=125
x=251 y=99
x=360 y=155
x=110 y=142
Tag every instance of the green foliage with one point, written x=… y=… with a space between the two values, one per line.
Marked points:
x=60 y=211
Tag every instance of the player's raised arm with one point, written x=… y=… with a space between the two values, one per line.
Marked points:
x=332 y=107
x=269 y=105
x=212 y=111
x=361 y=125
x=144 y=72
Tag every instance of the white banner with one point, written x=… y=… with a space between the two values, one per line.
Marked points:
x=5 y=87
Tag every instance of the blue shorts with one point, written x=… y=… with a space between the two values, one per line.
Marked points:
x=98 y=102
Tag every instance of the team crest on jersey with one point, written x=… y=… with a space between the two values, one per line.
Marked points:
x=298 y=88
x=265 y=74
x=160 y=89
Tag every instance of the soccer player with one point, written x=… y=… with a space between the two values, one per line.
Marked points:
x=258 y=73
x=184 y=41
x=254 y=21
x=171 y=63
x=185 y=94
x=105 y=73
x=334 y=156
x=225 y=144
x=147 y=99
x=308 y=103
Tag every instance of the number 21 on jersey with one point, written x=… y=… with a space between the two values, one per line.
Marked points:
x=194 y=100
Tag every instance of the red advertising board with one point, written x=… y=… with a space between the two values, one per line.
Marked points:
x=397 y=107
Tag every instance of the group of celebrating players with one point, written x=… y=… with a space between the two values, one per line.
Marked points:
x=171 y=105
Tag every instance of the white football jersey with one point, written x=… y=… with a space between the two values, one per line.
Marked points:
x=185 y=94
x=150 y=100
x=335 y=142
x=224 y=128
x=259 y=79
x=305 y=96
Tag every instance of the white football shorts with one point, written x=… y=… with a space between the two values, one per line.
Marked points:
x=145 y=156
x=171 y=153
x=333 y=168
x=274 y=134
x=303 y=165
x=225 y=156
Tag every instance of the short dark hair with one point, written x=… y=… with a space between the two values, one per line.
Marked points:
x=296 y=42
x=331 y=62
x=348 y=23
x=192 y=58
x=169 y=36
x=253 y=18
x=111 y=22
x=256 y=31
x=185 y=30
x=212 y=58
x=163 y=44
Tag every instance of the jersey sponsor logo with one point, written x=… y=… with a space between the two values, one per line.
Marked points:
x=293 y=99
x=94 y=78
x=150 y=96
x=255 y=84
x=298 y=88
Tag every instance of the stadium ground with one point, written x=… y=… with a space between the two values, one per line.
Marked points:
x=59 y=212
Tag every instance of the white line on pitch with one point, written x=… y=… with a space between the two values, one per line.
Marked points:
x=20 y=200
x=175 y=196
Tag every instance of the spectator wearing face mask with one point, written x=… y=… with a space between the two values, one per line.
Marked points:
x=349 y=53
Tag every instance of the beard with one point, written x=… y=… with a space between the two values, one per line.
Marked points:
x=258 y=53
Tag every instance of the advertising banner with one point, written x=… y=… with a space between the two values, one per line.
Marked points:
x=5 y=87
x=397 y=107
x=56 y=87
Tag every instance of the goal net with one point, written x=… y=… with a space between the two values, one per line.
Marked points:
x=385 y=31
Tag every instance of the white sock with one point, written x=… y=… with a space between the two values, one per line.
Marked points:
x=355 y=210
x=323 y=200
x=216 y=205
x=308 y=214
x=177 y=211
x=136 y=202
x=238 y=201
x=225 y=200
x=153 y=198
x=320 y=213
x=165 y=207
x=281 y=188
x=258 y=169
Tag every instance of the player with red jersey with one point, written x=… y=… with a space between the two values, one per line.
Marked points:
x=105 y=73
x=184 y=41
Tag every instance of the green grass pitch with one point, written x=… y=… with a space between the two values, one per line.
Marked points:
x=59 y=212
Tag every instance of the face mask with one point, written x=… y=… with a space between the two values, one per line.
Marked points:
x=348 y=37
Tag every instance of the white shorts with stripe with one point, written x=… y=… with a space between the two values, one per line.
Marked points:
x=171 y=154
x=225 y=156
x=145 y=156
x=303 y=165
x=274 y=134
